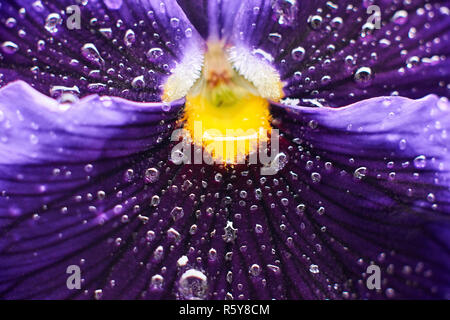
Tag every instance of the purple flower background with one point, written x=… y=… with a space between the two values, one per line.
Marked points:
x=365 y=134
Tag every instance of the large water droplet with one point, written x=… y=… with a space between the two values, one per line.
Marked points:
x=363 y=77
x=400 y=17
x=90 y=52
x=193 y=285
x=154 y=54
x=9 y=47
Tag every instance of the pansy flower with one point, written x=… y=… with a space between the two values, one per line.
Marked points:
x=99 y=99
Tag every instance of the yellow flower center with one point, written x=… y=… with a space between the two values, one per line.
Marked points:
x=225 y=113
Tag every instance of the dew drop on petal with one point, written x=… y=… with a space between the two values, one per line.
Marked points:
x=298 y=54
x=10 y=22
x=138 y=82
x=154 y=54
x=151 y=175
x=360 y=173
x=402 y=144
x=188 y=33
x=193 y=285
x=130 y=38
x=420 y=162
x=275 y=38
x=177 y=213
x=315 y=22
x=38 y=6
x=91 y=53
x=52 y=21
x=255 y=270
x=284 y=12
x=157 y=282
x=363 y=76
x=9 y=47
x=400 y=17
x=314 y=268
x=113 y=4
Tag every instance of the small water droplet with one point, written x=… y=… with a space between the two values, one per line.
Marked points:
x=113 y=4
x=420 y=162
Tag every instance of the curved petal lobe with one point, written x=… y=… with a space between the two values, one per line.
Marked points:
x=71 y=181
x=337 y=53
x=117 y=48
x=370 y=185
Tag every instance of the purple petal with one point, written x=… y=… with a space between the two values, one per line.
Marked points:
x=72 y=182
x=214 y=18
x=197 y=231
x=127 y=51
x=370 y=184
x=331 y=52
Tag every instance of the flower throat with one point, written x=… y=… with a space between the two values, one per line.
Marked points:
x=224 y=112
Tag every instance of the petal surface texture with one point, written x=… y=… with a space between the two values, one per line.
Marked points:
x=121 y=48
x=335 y=51
x=89 y=177
x=68 y=183
x=99 y=193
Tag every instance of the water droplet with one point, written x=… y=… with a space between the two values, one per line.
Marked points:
x=9 y=47
x=38 y=6
x=154 y=54
x=230 y=233
x=138 y=82
x=113 y=4
x=314 y=268
x=151 y=175
x=284 y=12
x=360 y=173
x=298 y=54
x=174 y=22
x=275 y=38
x=91 y=53
x=363 y=76
x=182 y=261
x=400 y=17
x=10 y=22
x=52 y=22
x=315 y=22
x=157 y=282
x=255 y=270
x=129 y=38
x=402 y=144
x=193 y=285
x=188 y=33
x=177 y=213
x=316 y=177
x=420 y=162
x=218 y=177
x=98 y=294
